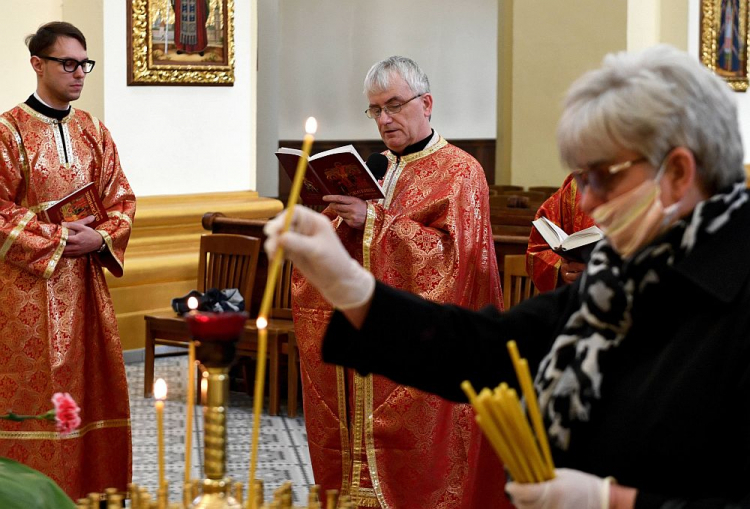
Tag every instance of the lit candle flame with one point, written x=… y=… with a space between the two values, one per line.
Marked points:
x=311 y=125
x=160 y=389
x=261 y=322
x=192 y=303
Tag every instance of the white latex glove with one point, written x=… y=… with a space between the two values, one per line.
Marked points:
x=570 y=489
x=315 y=249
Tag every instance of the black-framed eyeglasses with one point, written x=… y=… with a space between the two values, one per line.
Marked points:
x=71 y=64
x=600 y=178
x=390 y=109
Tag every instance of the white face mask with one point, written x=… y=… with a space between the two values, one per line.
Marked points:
x=636 y=217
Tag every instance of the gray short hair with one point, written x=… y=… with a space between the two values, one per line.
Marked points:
x=651 y=102
x=378 y=77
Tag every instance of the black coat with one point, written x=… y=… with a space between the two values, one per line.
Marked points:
x=674 y=417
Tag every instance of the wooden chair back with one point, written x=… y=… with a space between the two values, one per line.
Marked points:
x=280 y=325
x=228 y=261
x=282 y=297
x=517 y=285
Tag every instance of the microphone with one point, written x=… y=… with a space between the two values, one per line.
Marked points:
x=378 y=165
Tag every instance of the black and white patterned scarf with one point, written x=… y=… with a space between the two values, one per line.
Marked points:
x=569 y=378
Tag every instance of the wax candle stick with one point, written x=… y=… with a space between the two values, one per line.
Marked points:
x=189 y=407
x=527 y=386
x=265 y=306
x=160 y=393
x=260 y=374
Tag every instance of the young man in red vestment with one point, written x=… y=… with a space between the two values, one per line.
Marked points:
x=547 y=269
x=384 y=444
x=58 y=331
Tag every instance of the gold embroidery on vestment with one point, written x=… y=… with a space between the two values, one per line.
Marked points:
x=58 y=254
x=120 y=216
x=23 y=158
x=14 y=234
x=346 y=459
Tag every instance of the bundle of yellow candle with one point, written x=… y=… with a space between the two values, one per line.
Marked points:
x=500 y=416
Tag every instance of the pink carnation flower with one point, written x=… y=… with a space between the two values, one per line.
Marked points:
x=66 y=412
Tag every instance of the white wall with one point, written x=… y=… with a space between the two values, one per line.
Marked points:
x=643 y=24
x=269 y=42
x=18 y=19
x=181 y=140
x=327 y=46
x=743 y=99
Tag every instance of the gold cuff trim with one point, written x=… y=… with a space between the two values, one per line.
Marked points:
x=121 y=216
x=14 y=234
x=58 y=254
x=36 y=209
x=55 y=435
x=107 y=240
x=111 y=247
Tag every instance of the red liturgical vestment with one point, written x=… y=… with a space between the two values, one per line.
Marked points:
x=541 y=262
x=58 y=331
x=385 y=444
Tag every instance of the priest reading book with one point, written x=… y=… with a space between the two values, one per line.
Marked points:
x=339 y=171
x=576 y=246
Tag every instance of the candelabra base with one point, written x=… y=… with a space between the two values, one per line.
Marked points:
x=216 y=496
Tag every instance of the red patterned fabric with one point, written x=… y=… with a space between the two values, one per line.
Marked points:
x=384 y=444
x=58 y=331
x=542 y=264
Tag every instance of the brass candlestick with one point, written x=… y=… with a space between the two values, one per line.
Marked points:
x=216 y=337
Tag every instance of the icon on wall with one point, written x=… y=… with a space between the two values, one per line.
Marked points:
x=724 y=40
x=181 y=42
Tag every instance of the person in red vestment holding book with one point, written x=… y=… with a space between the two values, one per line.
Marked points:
x=58 y=331
x=547 y=269
x=384 y=444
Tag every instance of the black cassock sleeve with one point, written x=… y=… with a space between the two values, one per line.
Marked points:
x=435 y=347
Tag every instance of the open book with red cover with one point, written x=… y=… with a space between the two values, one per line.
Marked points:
x=337 y=171
x=575 y=247
x=79 y=204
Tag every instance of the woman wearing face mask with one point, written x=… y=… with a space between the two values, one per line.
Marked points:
x=642 y=365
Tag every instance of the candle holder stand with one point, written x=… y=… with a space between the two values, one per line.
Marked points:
x=215 y=337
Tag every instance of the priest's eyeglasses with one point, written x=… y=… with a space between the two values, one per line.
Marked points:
x=390 y=109
x=71 y=64
x=600 y=178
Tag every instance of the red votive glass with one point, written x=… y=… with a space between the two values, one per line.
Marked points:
x=205 y=326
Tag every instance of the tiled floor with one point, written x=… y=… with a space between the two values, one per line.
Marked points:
x=282 y=449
